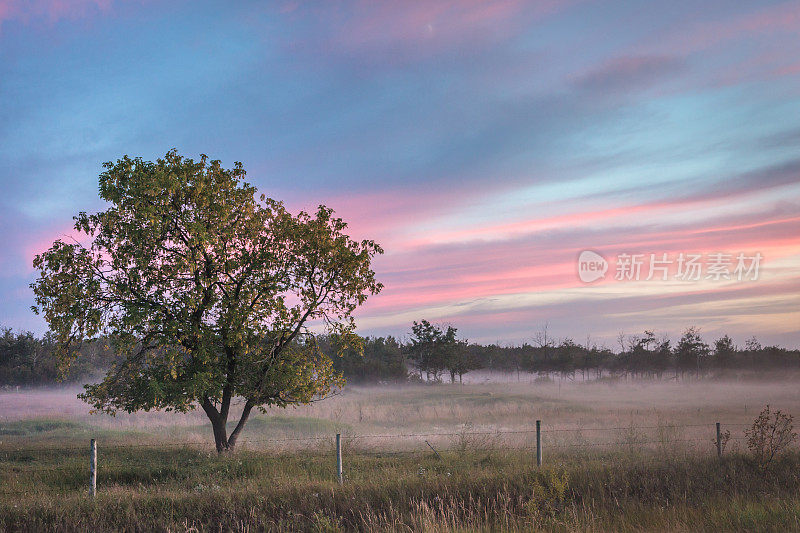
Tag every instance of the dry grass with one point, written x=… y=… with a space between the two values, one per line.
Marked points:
x=623 y=457
x=143 y=489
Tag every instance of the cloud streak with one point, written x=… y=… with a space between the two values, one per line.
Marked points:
x=50 y=10
x=483 y=144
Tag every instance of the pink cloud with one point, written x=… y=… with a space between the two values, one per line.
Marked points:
x=485 y=284
x=384 y=215
x=398 y=27
x=392 y=22
x=770 y=33
x=45 y=239
x=789 y=70
x=783 y=17
x=629 y=71
x=538 y=224
x=50 y=10
x=439 y=275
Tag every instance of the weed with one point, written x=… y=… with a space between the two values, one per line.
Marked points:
x=770 y=435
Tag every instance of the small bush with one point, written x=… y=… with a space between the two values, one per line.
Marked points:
x=321 y=523
x=468 y=439
x=548 y=495
x=770 y=434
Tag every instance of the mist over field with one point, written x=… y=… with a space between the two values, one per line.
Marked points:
x=503 y=403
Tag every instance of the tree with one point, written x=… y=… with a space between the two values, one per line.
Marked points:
x=544 y=342
x=691 y=350
x=24 y=359
x=724 y=351
x=435 y=349
x=462 y=361
x=381 y=359
x=205 y=291
x=662 y=357
x=431 y=348
x=386 y=357
x=642 y=351
x=566 y=357
x=752 y=344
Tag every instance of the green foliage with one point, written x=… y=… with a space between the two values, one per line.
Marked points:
x=691 y=350
x=435 y=349
x=724 y=351
x=548 y=494
x=322 y=523
x=430 y=347
x=372 y=359
x=205 y=291
x=26 y=359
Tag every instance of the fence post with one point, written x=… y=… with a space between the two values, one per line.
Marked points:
x=719 y=441
x=339 y=458
x=538 y=443
x=434 y=449
x=93 y=467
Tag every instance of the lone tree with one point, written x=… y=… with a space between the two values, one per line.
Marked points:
x=205 y=291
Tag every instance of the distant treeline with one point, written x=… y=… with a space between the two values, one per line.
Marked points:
x=435 y=353
x=26 y=359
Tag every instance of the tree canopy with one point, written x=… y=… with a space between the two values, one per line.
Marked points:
x=205 y=289
x=435 y=349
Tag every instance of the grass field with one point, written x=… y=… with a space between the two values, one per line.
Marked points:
x=143 y=489
x=629 y=457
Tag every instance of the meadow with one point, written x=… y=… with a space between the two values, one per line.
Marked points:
x=617 y=456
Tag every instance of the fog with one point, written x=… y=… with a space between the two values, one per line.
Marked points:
x=571 y=412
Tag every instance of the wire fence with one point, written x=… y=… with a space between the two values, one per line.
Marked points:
x=69 y=468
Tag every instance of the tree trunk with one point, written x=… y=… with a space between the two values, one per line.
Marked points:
x=240 y=425
x=219 y=422
x=220 y=434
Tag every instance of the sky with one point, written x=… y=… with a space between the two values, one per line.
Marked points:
x=483 y=144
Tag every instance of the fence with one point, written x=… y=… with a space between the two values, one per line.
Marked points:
x=71 y=463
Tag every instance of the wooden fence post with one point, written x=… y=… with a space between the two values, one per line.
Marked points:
x=434 y=449
x=538 y=443
x=339 y=458
x=93 y=467
x=719 y=441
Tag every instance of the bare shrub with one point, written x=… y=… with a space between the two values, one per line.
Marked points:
x=469 y=439
x=633 y=438
x=665 y=435
x=770 y=434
